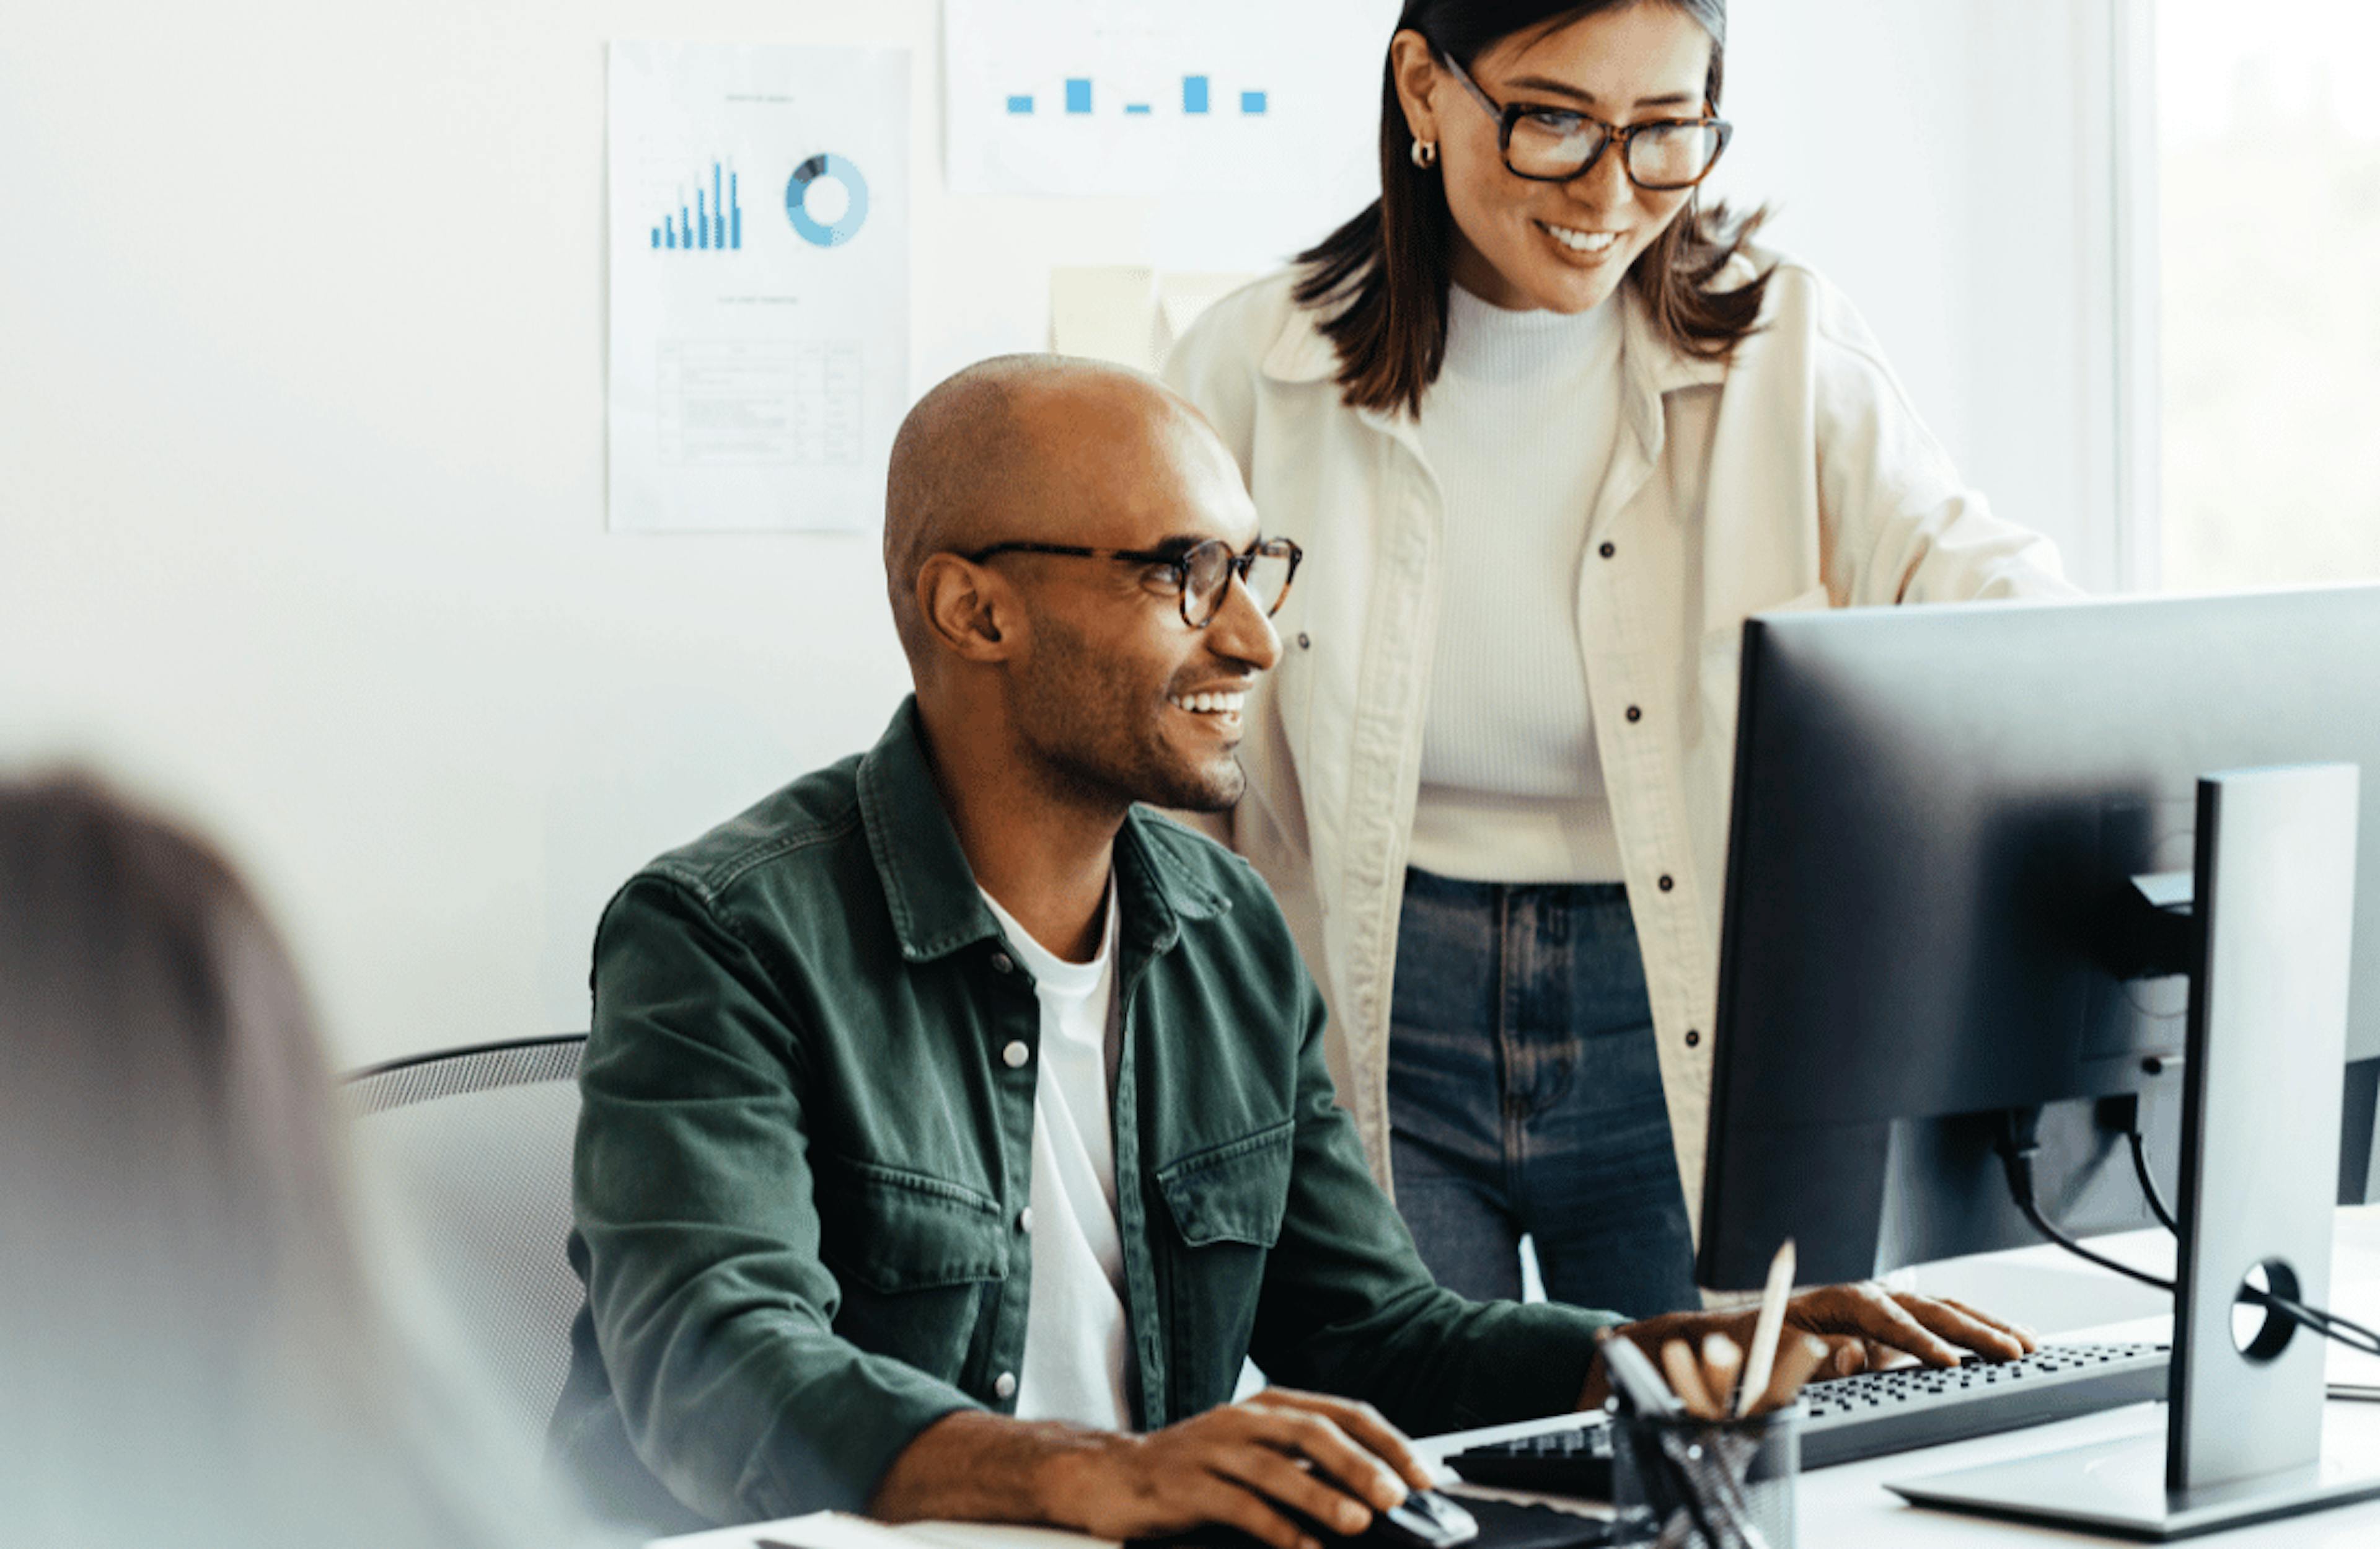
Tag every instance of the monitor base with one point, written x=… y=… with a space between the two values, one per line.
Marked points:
x=2118 y=1489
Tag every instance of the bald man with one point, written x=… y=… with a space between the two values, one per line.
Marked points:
x=956 y=1127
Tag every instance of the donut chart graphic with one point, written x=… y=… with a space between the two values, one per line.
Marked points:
x=842 y=229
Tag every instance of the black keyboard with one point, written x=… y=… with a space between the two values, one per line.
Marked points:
x=1870 y=1415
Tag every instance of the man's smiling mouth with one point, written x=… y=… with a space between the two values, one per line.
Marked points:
x=1210 y=704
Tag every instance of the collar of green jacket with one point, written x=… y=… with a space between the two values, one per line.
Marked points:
x=930 y=888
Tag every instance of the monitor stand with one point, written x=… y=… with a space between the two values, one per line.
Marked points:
x=2274 y=892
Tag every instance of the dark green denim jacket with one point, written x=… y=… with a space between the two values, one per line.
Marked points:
x=803 y=1156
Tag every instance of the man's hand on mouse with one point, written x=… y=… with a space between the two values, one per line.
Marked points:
x=1332 y=1459
x=1833 y=1331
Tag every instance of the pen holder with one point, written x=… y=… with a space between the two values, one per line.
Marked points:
x=1688 y=1483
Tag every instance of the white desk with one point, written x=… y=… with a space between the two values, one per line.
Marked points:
x=1847 y=1507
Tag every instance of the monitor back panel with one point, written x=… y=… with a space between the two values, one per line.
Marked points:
x=1937 y=814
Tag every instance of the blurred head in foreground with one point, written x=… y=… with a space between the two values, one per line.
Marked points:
x=193 y=1346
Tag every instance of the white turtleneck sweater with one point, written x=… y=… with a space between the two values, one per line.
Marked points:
x=1518 y=429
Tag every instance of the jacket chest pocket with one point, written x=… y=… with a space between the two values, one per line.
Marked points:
x=1227 y=1205
x=918 y=1260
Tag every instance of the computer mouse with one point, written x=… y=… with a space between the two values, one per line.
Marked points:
x=1424 y=1519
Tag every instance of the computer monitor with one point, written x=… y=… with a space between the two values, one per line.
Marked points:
x=1930 y=917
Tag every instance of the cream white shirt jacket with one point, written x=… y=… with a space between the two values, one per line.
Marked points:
x=1796 y=476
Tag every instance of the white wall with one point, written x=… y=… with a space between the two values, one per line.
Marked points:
x=1947 y=163
x=301 y=362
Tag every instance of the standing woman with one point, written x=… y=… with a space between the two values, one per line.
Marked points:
x=1552 y=431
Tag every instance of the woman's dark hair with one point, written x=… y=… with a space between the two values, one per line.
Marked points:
x=1382 y=278
x=196 y=1345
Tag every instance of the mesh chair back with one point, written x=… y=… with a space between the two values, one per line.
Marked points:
x=478 y=1142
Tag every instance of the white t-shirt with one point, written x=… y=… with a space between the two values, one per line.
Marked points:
x=1519 y=429
x=1077 y=1337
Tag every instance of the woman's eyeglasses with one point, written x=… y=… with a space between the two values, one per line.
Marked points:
x=1201 y=574
x=1554 y=145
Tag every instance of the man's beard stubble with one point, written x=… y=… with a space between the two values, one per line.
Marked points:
x=1098 y=735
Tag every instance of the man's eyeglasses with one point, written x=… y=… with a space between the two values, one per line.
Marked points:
x=1554 y=145
x=1200 y=575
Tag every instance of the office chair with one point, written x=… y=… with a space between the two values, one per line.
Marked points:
x=477 y=1142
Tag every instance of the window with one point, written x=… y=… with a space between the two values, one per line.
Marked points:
x=2269 y=140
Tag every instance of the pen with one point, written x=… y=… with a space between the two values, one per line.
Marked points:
x=1761 y=1360
x=1705 y=1486
x=1635 y=1376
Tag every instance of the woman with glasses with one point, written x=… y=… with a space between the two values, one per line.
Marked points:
x=1553 y=430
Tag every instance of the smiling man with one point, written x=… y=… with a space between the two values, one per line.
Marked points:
x=955 y=1126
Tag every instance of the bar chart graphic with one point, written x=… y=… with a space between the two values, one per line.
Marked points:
x=1083 y=100
x=1157 y=97
x=708 y=219
x=758 y=211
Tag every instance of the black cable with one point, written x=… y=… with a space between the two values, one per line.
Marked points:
x=2148 y=1181
x=2017 y=1146
x=2346 y=1331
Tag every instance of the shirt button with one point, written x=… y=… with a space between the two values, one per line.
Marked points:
x=1607 y=551
x=1002 y=963
x=1668 y=883
x=1015 y=1055
x=1004 y=1385
x=1025 y=1219
x=1693 y=1038
x=1304 y=643
x=1635 y=713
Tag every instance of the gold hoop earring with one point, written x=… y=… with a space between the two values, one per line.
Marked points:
x=1424 y=154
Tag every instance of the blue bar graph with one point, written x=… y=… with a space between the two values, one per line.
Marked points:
x=713 y=224
x=1197 y=100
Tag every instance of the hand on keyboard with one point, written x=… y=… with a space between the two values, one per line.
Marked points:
x=1860 y=1326
x=1866 y=1326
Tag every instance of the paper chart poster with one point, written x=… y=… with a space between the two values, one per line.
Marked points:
x=1160 y=96
x=759 y=285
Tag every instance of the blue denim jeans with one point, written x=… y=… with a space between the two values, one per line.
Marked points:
x=1525 y=1097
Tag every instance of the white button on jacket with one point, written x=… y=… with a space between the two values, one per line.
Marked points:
x=1796 y=476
